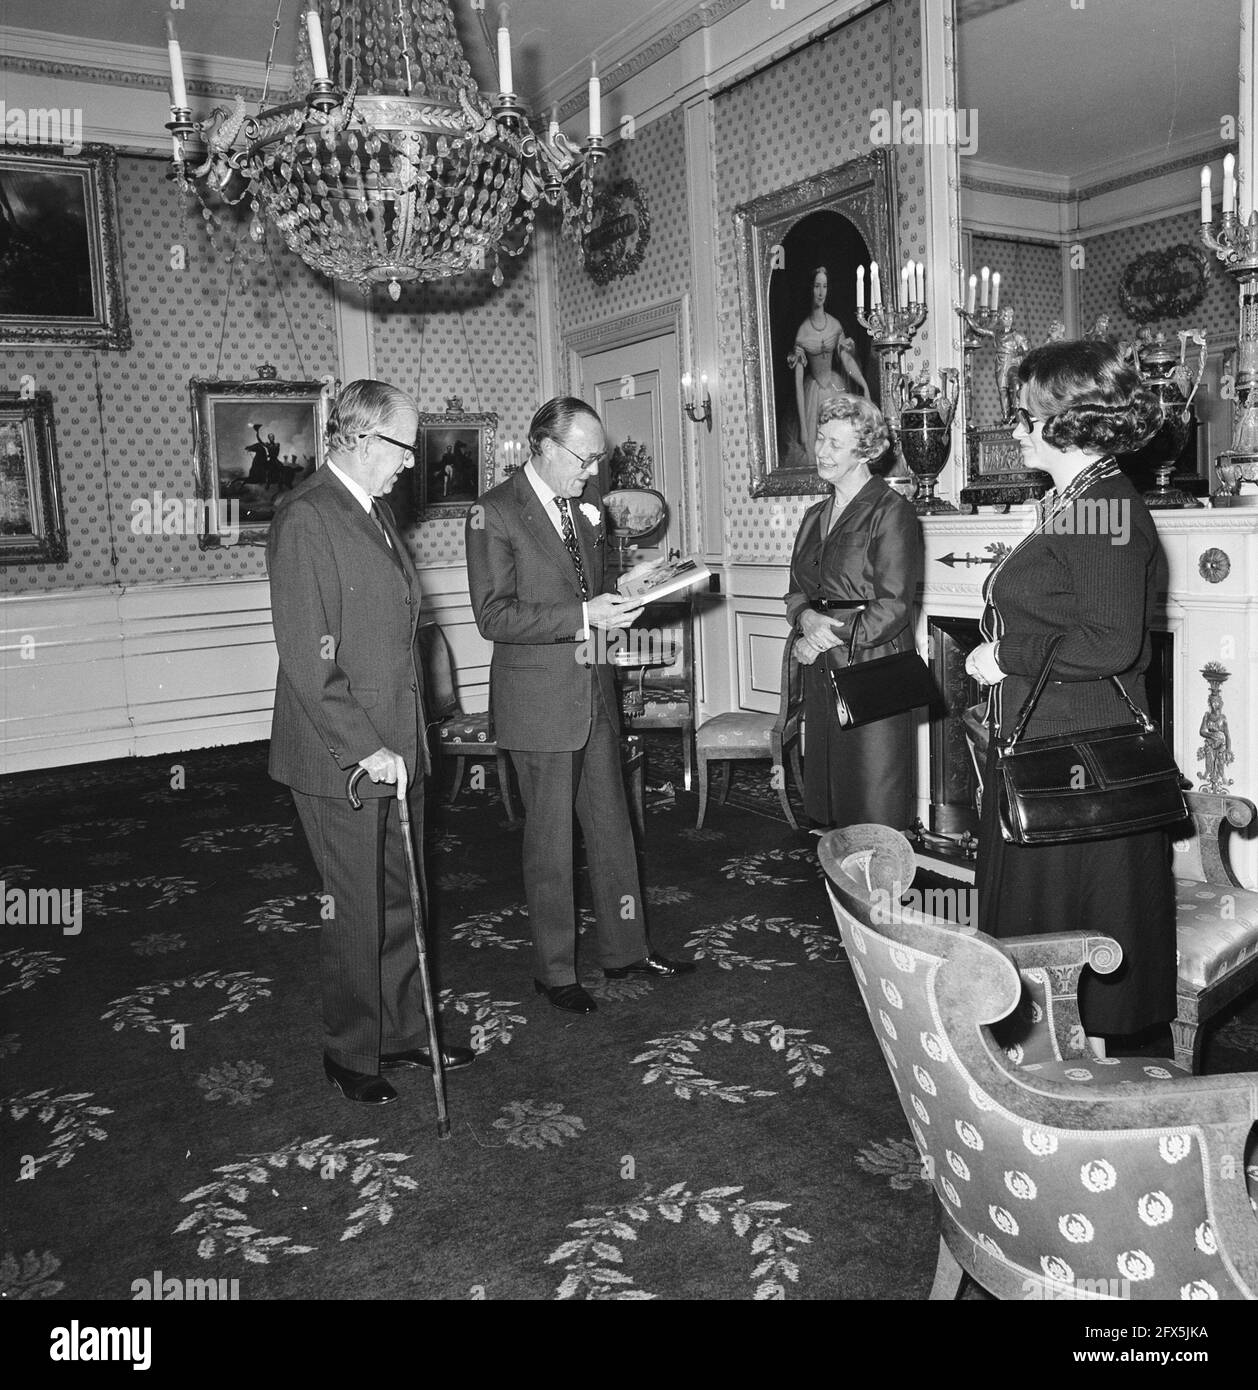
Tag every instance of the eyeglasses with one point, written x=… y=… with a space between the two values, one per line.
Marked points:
x=1027 y=420
x=375 y=434
x=594 y=461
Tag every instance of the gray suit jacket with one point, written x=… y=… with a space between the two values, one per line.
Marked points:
x=527 y=602
x=345 y=608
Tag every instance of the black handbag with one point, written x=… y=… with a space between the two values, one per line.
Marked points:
x=867 y=691
x=1091 y=785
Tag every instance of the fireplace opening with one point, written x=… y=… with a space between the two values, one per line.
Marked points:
x=953 y=785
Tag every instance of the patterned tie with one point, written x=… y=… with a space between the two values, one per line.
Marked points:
x=570 y=540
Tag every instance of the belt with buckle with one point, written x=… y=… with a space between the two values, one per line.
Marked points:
x=829 y=605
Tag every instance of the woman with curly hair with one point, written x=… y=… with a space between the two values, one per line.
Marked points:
x=854 y=578
x=1087 y=572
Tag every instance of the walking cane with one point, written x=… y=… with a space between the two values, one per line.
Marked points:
x=417 y=921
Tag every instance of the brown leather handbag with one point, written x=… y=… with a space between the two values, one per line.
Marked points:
x=1091 y=785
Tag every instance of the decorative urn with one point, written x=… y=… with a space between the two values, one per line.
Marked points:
x=924 y=433
x=1174 y=381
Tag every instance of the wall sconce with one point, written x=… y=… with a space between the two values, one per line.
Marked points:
x=512 y=452
x=700 y=414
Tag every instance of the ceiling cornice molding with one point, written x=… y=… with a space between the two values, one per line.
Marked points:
x=634 y=53
x=132 y=65
x=1013 y=183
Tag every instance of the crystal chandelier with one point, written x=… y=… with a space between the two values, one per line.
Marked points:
x=386 y=163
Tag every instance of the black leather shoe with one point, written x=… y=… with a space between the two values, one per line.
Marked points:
x=654 y=965
x=570 y=997
x=359 y=1085
x=452 y=1058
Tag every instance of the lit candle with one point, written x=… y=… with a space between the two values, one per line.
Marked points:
x=1207 y=210
x=703 y=385
x=969 y=305
x=985 y=296
x=504 y=51
x=921 y=282
x=178 y=87
x=875 y=287
x=995 y=292
x=596 y=102
x=904 y=287
x=860 y=288
x=685 y=389
x=318 y=54
x=1229 y=183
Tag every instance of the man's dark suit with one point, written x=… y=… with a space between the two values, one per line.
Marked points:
x=555 y=708
x=345 y=605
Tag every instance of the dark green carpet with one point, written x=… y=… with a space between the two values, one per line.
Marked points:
x=728 y=1136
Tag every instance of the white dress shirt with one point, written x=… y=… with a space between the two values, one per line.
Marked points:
x=546 y=496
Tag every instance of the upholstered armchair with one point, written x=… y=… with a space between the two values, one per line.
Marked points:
x=1060 y=1177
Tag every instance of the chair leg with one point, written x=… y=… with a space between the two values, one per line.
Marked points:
x=687 y=758
x=703 y=790
x=948 y=1275
x=796 y=769
x=726 y=778
x=459 y=764
x=1186 y=1038
x=504 y=785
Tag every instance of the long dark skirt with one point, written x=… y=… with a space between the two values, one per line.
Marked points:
x=853 y=776
x=1121 y=888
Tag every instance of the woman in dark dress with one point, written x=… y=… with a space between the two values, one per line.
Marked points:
x=1088 y=571
x=854 y=578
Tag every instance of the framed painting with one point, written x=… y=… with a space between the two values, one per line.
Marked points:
x=798 y=253
x=60 y=262
x=253 y=440
x=454 y=462
x=32 y=526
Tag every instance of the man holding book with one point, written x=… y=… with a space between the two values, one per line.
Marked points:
x=536 y=560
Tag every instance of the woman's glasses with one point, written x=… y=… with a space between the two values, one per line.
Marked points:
x=1027 y=420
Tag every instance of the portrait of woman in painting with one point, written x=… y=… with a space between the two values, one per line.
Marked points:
x=823 y=362
x=820 y=351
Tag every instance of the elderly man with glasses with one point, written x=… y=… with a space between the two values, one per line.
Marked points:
x=536 y=552
x=344 y=599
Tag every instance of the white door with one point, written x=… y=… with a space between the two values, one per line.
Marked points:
x=636 y=390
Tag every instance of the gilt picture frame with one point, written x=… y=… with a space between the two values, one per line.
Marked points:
x=835 y=220
x=32 y=524
x=454 y=462
x=253 y=441
x=61 y=279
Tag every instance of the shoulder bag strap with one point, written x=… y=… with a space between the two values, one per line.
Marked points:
x=1028 y=705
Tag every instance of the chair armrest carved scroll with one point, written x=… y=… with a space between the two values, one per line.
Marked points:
x=1050 y=967
x=1204 y=856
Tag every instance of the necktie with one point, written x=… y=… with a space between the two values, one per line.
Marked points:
x=379 y=523
x=570 y=540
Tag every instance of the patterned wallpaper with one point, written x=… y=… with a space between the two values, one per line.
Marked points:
x=145 y=417
x=808 y=113
x=1030 y=282
x=462 y=338
x=1109 y=255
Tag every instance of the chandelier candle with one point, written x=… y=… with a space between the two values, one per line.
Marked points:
x=505 y=76
x=596 y=102
x=178 y=87
x=318 y=54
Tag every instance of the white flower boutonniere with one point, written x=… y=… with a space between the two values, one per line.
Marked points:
x=591 y=514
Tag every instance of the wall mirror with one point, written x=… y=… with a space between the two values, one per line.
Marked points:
x=1092 y=127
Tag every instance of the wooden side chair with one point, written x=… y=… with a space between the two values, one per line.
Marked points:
x=740 y=735
x=454 y=733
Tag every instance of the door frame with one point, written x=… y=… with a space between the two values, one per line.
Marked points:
x=651 y=321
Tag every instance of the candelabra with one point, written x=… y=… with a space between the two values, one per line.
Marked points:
x=1235 y=243
x=698 y=414
x=892 y=332
x=386 y=163
x=980 y=324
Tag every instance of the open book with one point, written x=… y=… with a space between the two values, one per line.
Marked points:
x=670 y=578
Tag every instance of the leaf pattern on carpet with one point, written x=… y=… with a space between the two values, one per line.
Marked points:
x=482 y=929
x=29 y=1276
x=671 y=1058
x=73 y=1122
x=238 y=1083
x=31 y=967
x=222 y=1227
x=531 y=1124
x=132 y=1010
x=713 y=942
x=897 y=1160
x=593 y=1254
x=492 y=1019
